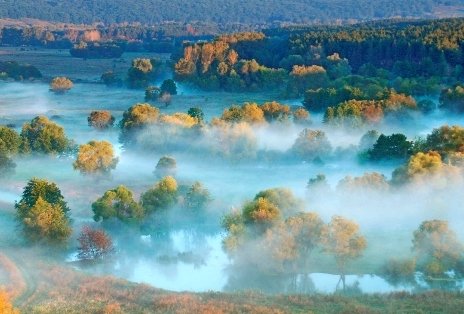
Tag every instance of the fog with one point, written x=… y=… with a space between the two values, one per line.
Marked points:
x=185 y=253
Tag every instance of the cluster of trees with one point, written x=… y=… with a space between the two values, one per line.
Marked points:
x=218 y=65
x=274 y=227
x=355 y=113
x=140 y=74
x=96 y=50
x=40 y=136
x=269 y=112
x=119 y=202
x=438 y=255
x=18 y=72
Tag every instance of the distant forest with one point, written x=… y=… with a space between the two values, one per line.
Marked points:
x=223 y=12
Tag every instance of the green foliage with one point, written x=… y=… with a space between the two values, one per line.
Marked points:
x=44 y=137
x=117 y=203
x=7 y=165
x=169 y=87
x=197 y=197
x=166 y=166
x=43 y=213
x=96 y=50
x=388 y=147
x=10 y=141
x=19 y=72
x=453 y=98
x=163 y=195
x=197 y=113
x=152 y=93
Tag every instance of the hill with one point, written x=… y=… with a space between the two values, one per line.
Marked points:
x=233 y=11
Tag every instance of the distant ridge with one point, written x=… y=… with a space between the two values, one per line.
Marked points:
x=223 y=12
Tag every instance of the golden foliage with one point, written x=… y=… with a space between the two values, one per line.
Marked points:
x=95 y=157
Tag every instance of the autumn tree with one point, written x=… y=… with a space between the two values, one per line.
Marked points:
x=100 y=119
x=162 y=195
x=43 y=213
x=95 y=158
x=60 y=85
x=117 y=203
x=300 y=115
x=445 y=140
x=260 y=213
x=44 y=136
x=311 y=144
x=453 y=98
x=284 y=199
x=5 y=304
x=274 y=111
x=136 y=118
x=138 y=73
x=420 y=167
x=373 y=181
x=436 y=247
x=93 y=244
x=343 y=241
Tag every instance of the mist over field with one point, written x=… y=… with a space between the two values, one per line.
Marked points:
x=295 y=169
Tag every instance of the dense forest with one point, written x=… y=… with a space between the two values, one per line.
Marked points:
x=235 y=11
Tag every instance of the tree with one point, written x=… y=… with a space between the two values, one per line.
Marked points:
x=100 y=119
x=117 y=203
x=10 y=141
x=169 y=87
x=260 y=213
x=43 y=213
x=387 y=147
x=109 y=78
x=368 y=140
x=5 y=304
x=60 y=85
x=45 y=221
x=436 y=247
x=373 y=181
x=44 y=136
x=421 y=166
x=445 y=140
x=342 y=240
x=135 y=118
x=283 y=198
x=197 y=196
x=152 y=93
x=162 y=195
x=311 y=144
x=138 y=74
x=300 y=115
x=273 y=111
x=95 y=158
x=93 y=244
x=166 y=166
x=453 y=98
x=197 y=113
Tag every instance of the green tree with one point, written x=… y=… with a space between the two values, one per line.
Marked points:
x=197 y=113
x=387 y=147
x=10 y=141
x=43 y=213
x=166 y=166
x=152 y=93
x=44 y=136
x=169 y=87
x=117 y=203
x=197 y=196
x=163 y=195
